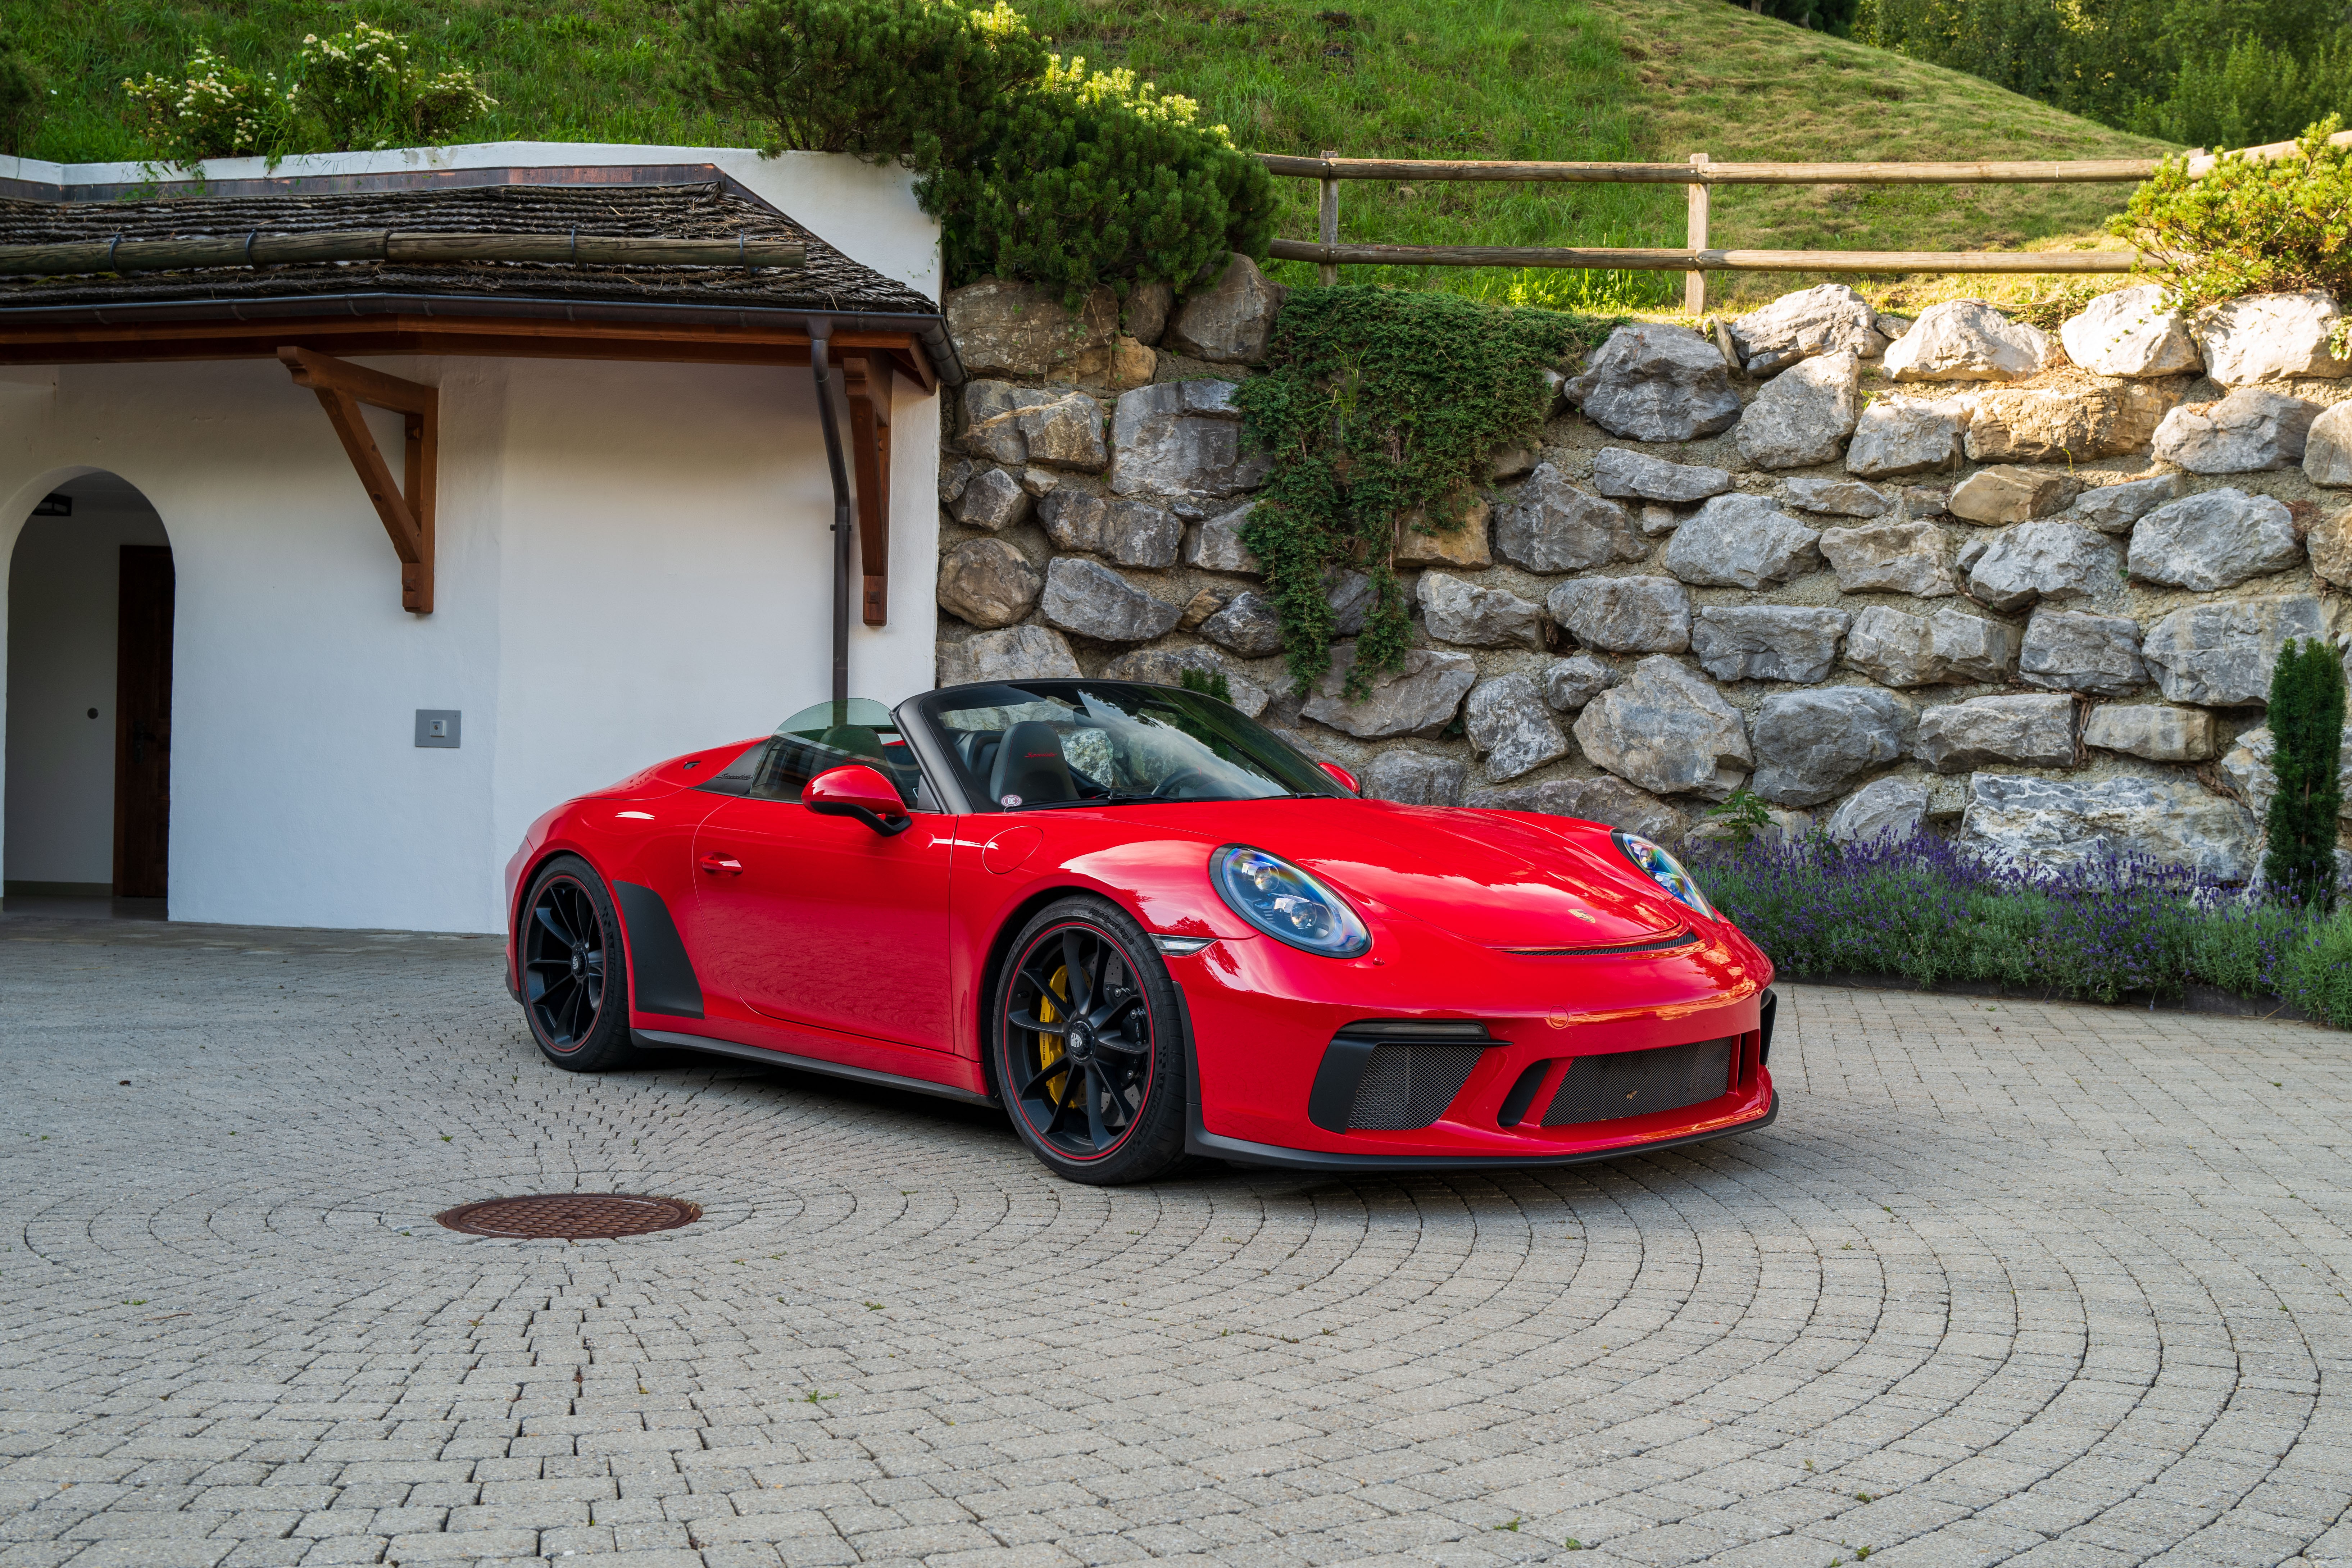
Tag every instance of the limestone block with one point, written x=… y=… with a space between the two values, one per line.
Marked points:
x=1132 y=533
x=1812 y=745
x=1668 y=731
x=2060 y=823
x=2057 y=424
x=1624 y=615
x=1767 y=642
x=1228 y=322
x=992 y=499
x=1635 y=475
x=1350 y=595
x=1967 y=340
x=1508 y=725
x=954 y=474
x=2269 y=337
x=2153 y=731
x=1549 y=525
x=1892 y=557
x=2217 y=540
x=1897 y=436
x=1166 y=667
x=2330 y=543
x=1512 y=462
x=2048 y=559
x=2132 y=331
x=2328 y=447
x=1090 y=599
x=2222 y=655
x=1180 y=438
x=1469 y=545
x=1216 y=544
x=1021 y=329
x=2011 y=494
x=1420 y=697
x=1950 y=647
x=1414 y=778
x=1571 y=682
x=2253 y=430
x=1888 y=808
x=988 y=582
x=1016 y=653
x=1248 y=625
x=1606 y=800
x=1741 y=541
x=2036 y=731
x=1826 y=319
x=2068 y=650
x=2113 y=509
x=1838 y=498
x=1149 y=306
x=2250 y=766
x=1804 y=415
x=1472 y=617
x=1655 y=382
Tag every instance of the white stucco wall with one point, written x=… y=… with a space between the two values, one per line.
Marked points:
x=62 y=588
x=633 y=560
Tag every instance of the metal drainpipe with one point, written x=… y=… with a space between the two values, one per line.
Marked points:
x=821 y=362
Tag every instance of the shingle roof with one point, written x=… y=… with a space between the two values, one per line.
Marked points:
x=830 y=282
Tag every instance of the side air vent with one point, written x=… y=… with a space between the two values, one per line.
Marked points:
x=1635 y=1083
x=1395 y=1075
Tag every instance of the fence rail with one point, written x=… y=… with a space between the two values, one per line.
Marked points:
x=1701 y=175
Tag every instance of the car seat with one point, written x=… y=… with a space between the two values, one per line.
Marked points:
x=1030 y=765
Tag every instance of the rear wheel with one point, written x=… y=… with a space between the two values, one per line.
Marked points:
x=1087 y=1049
x=575 y=982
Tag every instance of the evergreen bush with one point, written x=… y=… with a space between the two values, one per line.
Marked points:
x=2306 y=718
x=23 y=97
x=1380 y=405
x=924 y=80
x=2247 y=227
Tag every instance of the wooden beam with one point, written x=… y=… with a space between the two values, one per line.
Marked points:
x=868 y=378
x=1688 y=261
x=406 y=511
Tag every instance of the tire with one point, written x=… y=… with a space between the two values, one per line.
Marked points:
x=1120 y=1117
x=576 y=980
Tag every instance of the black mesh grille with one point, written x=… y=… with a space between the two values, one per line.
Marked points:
x=1410 y=1086
x=1635 y=1083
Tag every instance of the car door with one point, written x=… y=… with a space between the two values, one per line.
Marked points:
x=820 y=920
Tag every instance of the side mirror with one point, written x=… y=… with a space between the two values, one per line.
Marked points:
x=1347 y=780
x=856 y=790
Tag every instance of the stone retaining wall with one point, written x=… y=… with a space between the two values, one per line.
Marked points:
x=2026 y=588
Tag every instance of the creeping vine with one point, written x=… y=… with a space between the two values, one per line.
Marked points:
x=1380 y=411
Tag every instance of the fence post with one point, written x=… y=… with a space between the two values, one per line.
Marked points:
x=1695 y=283
x=1328 y=216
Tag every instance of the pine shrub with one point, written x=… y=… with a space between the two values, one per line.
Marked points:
x=2306 y=718
x=23 y=97
x=2248 y=227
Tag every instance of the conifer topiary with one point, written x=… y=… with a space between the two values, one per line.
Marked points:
x=2306 y=716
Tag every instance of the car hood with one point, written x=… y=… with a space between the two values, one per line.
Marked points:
x=1487 y=877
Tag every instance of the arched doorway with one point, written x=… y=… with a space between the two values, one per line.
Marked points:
x=90 y=703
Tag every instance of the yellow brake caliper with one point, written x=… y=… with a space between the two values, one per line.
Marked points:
x=1049 y=1047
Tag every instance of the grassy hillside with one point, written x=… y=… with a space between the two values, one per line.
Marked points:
x=1473 y=79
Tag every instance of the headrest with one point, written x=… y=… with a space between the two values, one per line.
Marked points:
x=854 y=738
x=1030 y=764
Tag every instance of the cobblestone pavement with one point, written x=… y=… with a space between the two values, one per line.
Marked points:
x=2017 y=1284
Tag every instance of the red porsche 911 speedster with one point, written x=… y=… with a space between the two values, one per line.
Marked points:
x=1146 y=926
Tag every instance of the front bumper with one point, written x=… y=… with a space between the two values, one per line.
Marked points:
x=1243 y=1152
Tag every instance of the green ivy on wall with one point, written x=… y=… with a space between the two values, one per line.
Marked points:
x=1378 y=405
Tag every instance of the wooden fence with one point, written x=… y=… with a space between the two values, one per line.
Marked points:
x=1701 y=175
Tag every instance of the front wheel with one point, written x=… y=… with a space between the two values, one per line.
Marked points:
x=576 y=980
x=1088 y=1051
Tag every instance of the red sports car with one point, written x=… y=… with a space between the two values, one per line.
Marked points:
x=1146 y=926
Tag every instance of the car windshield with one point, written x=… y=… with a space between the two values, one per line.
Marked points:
x=1041 y=744
x=831 y=735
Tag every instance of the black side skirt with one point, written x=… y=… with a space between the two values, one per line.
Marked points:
x=661 y=976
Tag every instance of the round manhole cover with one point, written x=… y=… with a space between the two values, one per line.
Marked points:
x=571 y=1217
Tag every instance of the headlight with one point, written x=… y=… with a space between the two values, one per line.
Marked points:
x=1664 y=870
x=1287 y=903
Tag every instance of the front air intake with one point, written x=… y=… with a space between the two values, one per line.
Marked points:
x=1395 y=1075
x=1635 y=1083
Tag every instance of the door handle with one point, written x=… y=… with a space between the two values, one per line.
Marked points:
x=715 y=863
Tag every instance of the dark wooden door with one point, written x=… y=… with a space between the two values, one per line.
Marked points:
x=143 y=722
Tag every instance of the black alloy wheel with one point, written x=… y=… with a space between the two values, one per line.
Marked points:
x=575 y=984
x=1088 y=1058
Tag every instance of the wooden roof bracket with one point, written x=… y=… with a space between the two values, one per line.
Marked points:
x=405 y=508
x=868 y=378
